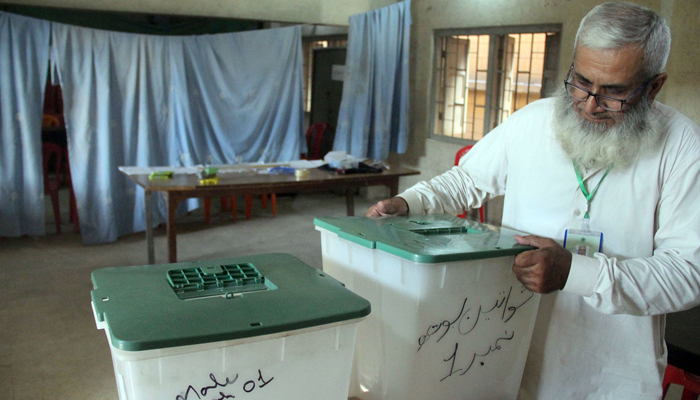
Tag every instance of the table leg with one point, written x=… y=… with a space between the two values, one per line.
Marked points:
x=172 y=203
x=350 y=201
x=394 y=187
x=149 y=229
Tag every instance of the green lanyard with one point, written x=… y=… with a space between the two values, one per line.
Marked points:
x=588 y=196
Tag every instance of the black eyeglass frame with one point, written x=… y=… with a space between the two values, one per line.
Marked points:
x=596 y=96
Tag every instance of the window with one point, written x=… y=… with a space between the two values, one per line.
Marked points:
x=482 y=76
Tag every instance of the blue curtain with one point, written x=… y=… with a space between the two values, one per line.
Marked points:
x=373 y=118
x=141 y=100
x=24 y=57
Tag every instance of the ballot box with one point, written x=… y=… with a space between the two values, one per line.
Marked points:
x=449 y=318
x=256 y=327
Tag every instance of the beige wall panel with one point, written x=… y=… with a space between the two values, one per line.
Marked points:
x=682 y=90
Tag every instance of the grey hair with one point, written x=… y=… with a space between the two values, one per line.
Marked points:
x=618 y=24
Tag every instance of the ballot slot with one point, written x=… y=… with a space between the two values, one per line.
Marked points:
x=423 y=227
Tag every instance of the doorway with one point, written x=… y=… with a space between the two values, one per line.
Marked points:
x=327 y=91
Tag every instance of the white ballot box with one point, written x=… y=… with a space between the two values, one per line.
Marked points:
x=249 y=328
x=449 y=318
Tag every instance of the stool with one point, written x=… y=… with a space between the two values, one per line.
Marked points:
x=690 y=382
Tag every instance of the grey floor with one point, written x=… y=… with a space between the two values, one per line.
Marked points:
x=49 y=345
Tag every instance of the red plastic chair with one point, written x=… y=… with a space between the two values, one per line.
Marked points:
x=314 y=139
x=464 y=150
x=52 y=155
x=690 y=383
x=263 y=202
x=224 y=207
x=234 y=213
x=50 y=121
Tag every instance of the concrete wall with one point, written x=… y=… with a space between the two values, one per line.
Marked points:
x=329 y=12
x=682 y=90
x=432 y=156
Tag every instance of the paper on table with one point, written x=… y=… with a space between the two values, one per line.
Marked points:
x=223 y=169
x=245 y=167
x=305 y=164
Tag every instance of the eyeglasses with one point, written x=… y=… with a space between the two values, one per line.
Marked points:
x=604 y=102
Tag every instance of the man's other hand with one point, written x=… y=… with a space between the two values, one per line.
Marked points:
x=388 y=208
x=543 y=270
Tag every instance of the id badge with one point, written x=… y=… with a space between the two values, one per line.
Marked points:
x=585 y=243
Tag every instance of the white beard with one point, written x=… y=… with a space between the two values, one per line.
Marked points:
x=596 y=145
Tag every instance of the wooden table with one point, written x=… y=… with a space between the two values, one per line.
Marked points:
x=250 y=183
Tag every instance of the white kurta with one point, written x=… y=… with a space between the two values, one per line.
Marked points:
x=602 y=337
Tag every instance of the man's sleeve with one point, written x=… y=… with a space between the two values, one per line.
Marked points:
x=481 y=175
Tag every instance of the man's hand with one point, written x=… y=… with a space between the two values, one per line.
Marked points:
x=543 y=270
x=388 y=208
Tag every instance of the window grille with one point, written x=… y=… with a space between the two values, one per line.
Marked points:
x=481 y=78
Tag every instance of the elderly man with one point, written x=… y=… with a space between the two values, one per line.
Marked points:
x=599 y=160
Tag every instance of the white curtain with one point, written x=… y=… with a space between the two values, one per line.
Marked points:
x=373 y=118
x=142 y=100
x=24 y=55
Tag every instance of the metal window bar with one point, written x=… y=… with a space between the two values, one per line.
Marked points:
x=445 y=89
x=505 y=87
x=454 y=90
x=492 y=85
x=500 y=89
x=517 y=77
x=512 y=53
x=473 y=93
x=529 y=72
x=465 y=85
x=443 y=82
x=480 y=72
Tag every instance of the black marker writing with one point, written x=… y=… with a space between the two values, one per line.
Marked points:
x=248 y=387
x=471 y=347
x=187 y=394
x=433 y=329
x=205 y=389
x=513 y=309
x=491 y=349
x=261 y=379
x=453 y=357
x=468 y=318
